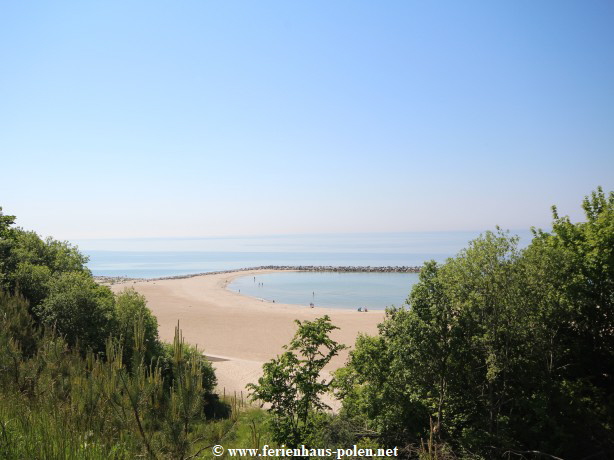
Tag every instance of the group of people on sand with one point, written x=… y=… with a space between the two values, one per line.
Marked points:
x=362 y=309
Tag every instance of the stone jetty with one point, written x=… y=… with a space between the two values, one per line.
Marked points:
x=302 y=268
x=341 y=269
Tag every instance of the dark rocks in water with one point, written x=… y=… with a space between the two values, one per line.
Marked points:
x=341 y=269
x=303 y=268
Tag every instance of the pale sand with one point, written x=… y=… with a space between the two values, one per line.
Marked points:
x=245 y=332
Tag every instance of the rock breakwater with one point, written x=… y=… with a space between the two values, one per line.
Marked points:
x=302 y=268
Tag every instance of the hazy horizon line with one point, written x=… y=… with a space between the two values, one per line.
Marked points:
x=298 y=235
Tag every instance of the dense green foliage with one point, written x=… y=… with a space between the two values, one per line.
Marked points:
x=29 y=264
x=56 y=404
x=500 y=350
x=130 y=309
x=83 y=373
x=169 y=369
x=291 y=382
x=500 y=353
x=78 y=309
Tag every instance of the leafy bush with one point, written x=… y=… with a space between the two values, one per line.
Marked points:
x=500 y=350
x=79 y=310
x=130 y=310
x=291 y=382
x=28 y=263
x=66 y=389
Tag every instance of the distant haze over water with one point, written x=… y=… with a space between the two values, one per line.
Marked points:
x=151 y=258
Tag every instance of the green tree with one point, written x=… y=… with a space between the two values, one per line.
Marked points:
x=18 y=338
x=589 y=284
x=33 y=262
x=449 y=366
x=500 y=350
x=6 y=223
x=168 y=364
x=80 y=310
x=28 y=263
x=130 y=310
x=94 y=381
x=571 y=283
x=292 y=383
x=6 y=245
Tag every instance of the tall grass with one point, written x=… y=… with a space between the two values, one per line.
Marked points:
x=56 y=403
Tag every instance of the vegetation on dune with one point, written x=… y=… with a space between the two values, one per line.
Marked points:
x=83 y=373
x=59 y=402
x=499 y=353
x=292 y=385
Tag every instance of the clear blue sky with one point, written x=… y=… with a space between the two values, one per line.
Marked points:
x=198 y=118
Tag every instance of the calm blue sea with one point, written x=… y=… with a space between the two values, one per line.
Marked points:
x=326 y=289
x=158 y=264
x=152 y=258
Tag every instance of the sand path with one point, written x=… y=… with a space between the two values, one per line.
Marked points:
x=240 y=333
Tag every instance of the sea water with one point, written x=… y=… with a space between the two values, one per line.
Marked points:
x=329 y=289
x=140 y=264
x=158 y=257
x=162 y=257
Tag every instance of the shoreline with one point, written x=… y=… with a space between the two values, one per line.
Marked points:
x=104 y=279
x=239 y=332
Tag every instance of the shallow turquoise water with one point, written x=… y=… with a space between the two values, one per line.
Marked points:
x=329 y=289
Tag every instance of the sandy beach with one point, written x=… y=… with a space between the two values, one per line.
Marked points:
x=237 y=332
